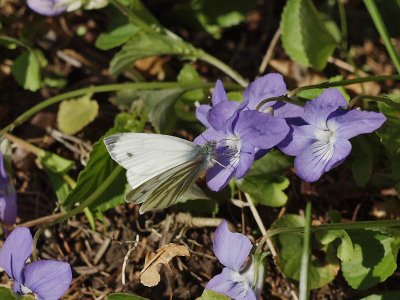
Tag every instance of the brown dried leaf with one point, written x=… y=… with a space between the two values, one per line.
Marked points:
x=150 y=275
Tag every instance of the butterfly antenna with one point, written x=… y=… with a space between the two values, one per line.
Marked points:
x=218 y=163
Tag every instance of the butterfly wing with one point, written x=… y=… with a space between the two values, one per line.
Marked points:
x=146 y=155
x=164 y=189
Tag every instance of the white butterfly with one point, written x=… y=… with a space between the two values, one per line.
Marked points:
x=160 y=168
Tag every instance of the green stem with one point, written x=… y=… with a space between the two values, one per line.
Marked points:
x=200 y=54
x=280 y=98
x=106 y=88
x=343 y=24
x=380 y=26
x=133 y=18
x=19 y=42
x=383 y=99
x=328 y=84
x=327 y=227
x=212 y=60
x=305 y=256
x=86 y=203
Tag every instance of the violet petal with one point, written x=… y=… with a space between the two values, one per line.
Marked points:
x=231 y=248
x=354 y=122
x=246 y=158
x=316 y=111
x=299 y=138
x=342 y=148
x=8 y=205
x=267 y=86
x=261 y=130
x=219 y=94
x=201 y=114
x=311 y=162
x=4 y=179
x=16 y=250
x=48 y=279
x=209 y=135
x=46 y=7
x=225 y=283
x=220 y=113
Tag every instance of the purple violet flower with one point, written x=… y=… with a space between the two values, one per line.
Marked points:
x=323 y=142
x=47 y=7
x=243 y=276
x=47 y=279
x=237 y=142
x=221 y=110
x=269 y=86
x=8 y=197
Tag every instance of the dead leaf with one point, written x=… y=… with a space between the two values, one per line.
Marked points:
x=150 y=275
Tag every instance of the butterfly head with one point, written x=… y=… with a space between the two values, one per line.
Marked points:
x=209 y=153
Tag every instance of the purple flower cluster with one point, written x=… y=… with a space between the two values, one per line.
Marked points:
x=240 y=131
x=243 y=276
x=322 y=141
x=8 y=196
x=317 y=134
x=47 y=279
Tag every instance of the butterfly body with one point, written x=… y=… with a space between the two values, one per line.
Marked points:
x=160 y=168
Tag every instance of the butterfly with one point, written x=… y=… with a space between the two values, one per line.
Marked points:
x=160 y=168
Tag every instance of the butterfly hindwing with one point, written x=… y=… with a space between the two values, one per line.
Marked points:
x=164 y=190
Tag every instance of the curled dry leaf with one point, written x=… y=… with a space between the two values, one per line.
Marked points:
x=150 y=275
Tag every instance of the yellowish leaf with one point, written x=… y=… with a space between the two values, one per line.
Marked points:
x=150 y=275
x=73 y=115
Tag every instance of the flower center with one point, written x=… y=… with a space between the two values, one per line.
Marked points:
x=234 y=144
x=24 y=290
x=325 y=136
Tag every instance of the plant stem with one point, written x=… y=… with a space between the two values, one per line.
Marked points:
x=305 y=256
x=327 y=84
x=383 y=99
x=380 y=26
x=103 y=89
x=327 y=227
x=86 y=203
x=279 y=98
x=212 y=60
x=343 y=24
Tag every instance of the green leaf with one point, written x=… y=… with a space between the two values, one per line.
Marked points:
x=59 y=185
x=363 y=160
x=264 y=182
x=55 y=167
x=99 y=166
x=123 y=296
x=149 y=44
x=26 y=70
x=389 y=135
x=211 y=295
x=54 y=162
x=392 y=295
x=305 y=37
x=188 y=74
x=116 y=37
x=211 y=16
x=73 y=115
x=373 y=260
x=321 y=272
x=160 y=106
x=345 y=248
x=6 y=294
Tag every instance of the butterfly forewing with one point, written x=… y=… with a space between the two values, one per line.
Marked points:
x=160 y=168
x=147 y=155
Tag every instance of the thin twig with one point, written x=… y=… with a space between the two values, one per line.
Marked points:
x=270 y=51
x=260 y=224
x=126 y=258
